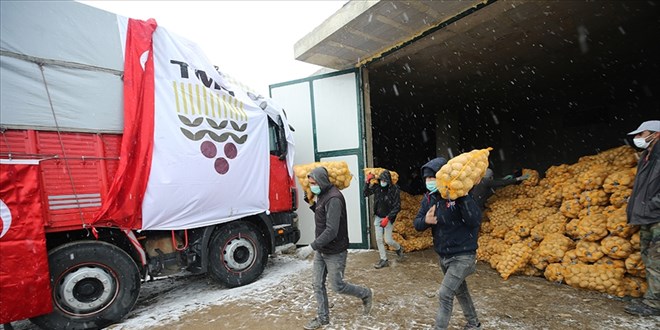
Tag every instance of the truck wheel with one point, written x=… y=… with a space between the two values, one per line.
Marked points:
x=93 y=283
x=237 y=254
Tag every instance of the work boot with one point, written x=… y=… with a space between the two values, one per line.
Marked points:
x=315 y=324
x=368 y=302
x=399 y=252
x=641 y=309
x=472 y=326
x=382 y=263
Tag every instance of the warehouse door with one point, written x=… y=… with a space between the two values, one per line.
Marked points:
x=326 y=113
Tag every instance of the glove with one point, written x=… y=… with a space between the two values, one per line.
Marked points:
x=304 y=252
x=306 y=199
x=523 y=177
x=384 y=222
x=370 y=177
x=508 y=177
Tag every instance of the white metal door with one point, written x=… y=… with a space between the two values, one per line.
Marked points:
x=326 y=113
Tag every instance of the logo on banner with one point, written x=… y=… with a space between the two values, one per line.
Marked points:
x=5 y=215
x=224 y=115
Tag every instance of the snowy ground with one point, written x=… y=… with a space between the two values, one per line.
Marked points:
x=167 y=300
x=404 y=299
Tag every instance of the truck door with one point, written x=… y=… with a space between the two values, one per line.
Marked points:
x=327 y=114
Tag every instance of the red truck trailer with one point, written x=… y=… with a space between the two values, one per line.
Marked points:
x=125 y=155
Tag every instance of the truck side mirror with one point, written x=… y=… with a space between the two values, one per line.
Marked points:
x=281 y=139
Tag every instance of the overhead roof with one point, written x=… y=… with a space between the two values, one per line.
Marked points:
x=482 y=46
x=362 y=30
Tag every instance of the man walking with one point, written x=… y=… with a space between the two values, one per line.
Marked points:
x=331 y=245
x=644 y=210
x=387 y=204
x=455 y=227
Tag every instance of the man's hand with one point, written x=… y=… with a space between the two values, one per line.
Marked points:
x=304 y=252
x=307 y=200
x=384 y=222
x=370 y=177
x=430 y=218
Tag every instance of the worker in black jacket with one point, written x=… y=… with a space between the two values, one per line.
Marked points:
x=455 y=227
x=387 y=204
x=644 y=211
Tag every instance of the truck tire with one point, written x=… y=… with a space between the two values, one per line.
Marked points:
x=237 y=254
x=94 y=284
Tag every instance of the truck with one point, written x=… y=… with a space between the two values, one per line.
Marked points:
x=125 y=155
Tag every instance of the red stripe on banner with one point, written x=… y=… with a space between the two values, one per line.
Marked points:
x=123 y=205
x=24 y=277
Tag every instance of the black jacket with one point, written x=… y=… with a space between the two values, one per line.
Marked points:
x=387 y=200
x=644 y=203
x=485 y=188
x=458 y=224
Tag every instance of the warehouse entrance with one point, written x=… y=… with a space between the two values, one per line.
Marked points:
x=543 y=83
x=326 y=113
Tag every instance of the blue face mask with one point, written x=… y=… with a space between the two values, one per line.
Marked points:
x=383 y=184
x=315 y=189
x=431 y=186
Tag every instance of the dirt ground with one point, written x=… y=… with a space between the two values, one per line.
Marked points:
x=405 y=298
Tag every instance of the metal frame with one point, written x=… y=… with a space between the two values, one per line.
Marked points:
x=359 y=152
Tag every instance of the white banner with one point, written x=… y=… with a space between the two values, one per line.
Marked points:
x=211 y=147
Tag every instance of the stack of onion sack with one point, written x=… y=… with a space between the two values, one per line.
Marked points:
x=338 y=172
x=377 y=171
x=570 y=226
x=461 y=173
x=404 y=232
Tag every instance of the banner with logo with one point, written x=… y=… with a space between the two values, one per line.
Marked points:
x=211 y=150
x=195 y=139
x=23 y=252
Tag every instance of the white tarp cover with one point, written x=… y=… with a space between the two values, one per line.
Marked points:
x=81 y=49
x=195 y=155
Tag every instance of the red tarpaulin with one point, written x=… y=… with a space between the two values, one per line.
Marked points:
x=24 y=278
x=123 y=206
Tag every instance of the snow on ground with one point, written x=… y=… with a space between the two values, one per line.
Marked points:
x=198 y=292
x=166 y=299
x=405 y=298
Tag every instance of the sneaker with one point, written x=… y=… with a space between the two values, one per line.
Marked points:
x=315 y=324
x=368 y=302
x=382 y=263
x=641 y=309
x=472 y=327
x=399 y=253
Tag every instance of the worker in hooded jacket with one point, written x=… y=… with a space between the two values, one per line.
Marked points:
x=331 y=247
x=387 y=204
x=455 y=227
x=643 y=210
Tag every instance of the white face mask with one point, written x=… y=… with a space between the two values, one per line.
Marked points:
x=641 y=143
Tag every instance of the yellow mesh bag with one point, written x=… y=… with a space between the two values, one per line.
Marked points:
x=461 y=173
x=338 y=173
x=377 y=171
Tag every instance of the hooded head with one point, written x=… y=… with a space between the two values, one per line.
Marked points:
x=320 y=175
x=432 y=167
x=386 y=177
